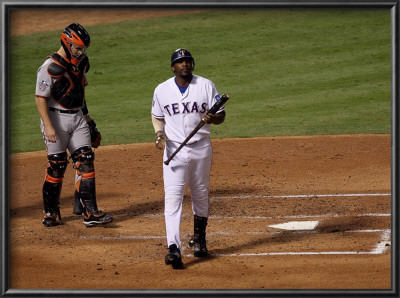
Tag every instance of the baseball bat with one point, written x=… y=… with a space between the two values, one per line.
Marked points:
x=223 y=99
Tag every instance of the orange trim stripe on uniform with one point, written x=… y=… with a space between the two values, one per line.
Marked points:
x=88 y=175
x=53 y=180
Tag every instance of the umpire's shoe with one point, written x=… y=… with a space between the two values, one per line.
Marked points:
x=50 y=220
x=174 y=257
x=96 y=218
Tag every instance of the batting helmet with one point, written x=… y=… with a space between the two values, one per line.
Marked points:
x=76 y=35
x=181 y=54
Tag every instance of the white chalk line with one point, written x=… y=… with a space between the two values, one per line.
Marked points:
x=288 y=196
x=216 y=234
x=303 y=196
x=297 y=253
x=380 y=248
x=276 y=217
x=122 y=237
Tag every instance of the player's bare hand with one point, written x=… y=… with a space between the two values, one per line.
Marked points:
x=208 y=118
x=217 y=118
x=160 y=139
x=51 y=134
x=211 y=118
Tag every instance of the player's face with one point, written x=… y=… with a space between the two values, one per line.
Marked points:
x=183 y=67
x=78 y=52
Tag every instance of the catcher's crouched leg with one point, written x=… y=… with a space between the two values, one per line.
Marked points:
x=83 y=159
x=57 y=164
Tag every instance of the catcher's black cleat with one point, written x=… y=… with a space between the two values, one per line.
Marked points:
x=50 y=220
x=174 y=257
x=97 y=218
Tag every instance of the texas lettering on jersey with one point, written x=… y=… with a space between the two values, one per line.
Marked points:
x=185 y=108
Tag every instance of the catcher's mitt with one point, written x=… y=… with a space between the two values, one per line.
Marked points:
x=95 y=135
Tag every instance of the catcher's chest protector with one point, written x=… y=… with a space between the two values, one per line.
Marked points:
x=69 y=89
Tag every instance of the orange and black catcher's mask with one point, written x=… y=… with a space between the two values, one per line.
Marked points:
x=75 y=39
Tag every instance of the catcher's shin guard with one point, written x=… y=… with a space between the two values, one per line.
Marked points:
x=198 y=241
x=52 y=188
x=87 y=194
x=77 y=207
x=51 y=201
x=86 y=188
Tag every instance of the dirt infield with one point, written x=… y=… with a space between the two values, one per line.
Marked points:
x=24 y=21
x=342 y=183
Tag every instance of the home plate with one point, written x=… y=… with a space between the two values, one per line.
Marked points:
x=296 y=225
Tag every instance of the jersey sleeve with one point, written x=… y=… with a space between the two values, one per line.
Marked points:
x=215 y=97
x=43 y=82
x=156 y=110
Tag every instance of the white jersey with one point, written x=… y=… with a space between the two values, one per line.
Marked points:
x=182 y=112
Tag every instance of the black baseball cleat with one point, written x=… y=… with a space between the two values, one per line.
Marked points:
x=174 y=257
x=96 y=219
x=50 y=220
x=200 y=249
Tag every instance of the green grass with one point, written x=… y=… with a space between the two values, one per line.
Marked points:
x=288 y=72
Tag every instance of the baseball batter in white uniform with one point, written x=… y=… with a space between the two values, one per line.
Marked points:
x=179 y=104
x=66 y=124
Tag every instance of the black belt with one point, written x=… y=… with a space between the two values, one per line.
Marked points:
x=64 y=111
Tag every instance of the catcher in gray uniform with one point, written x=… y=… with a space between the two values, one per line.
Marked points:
x=66 y=124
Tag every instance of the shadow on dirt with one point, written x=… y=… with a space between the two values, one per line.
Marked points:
x=135 y=209
x=334 y=225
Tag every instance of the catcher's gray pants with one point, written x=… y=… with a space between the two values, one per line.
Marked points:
x=72 y=131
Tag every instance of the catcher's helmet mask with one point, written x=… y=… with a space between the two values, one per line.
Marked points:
x=75 y=39
x=180 y=54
